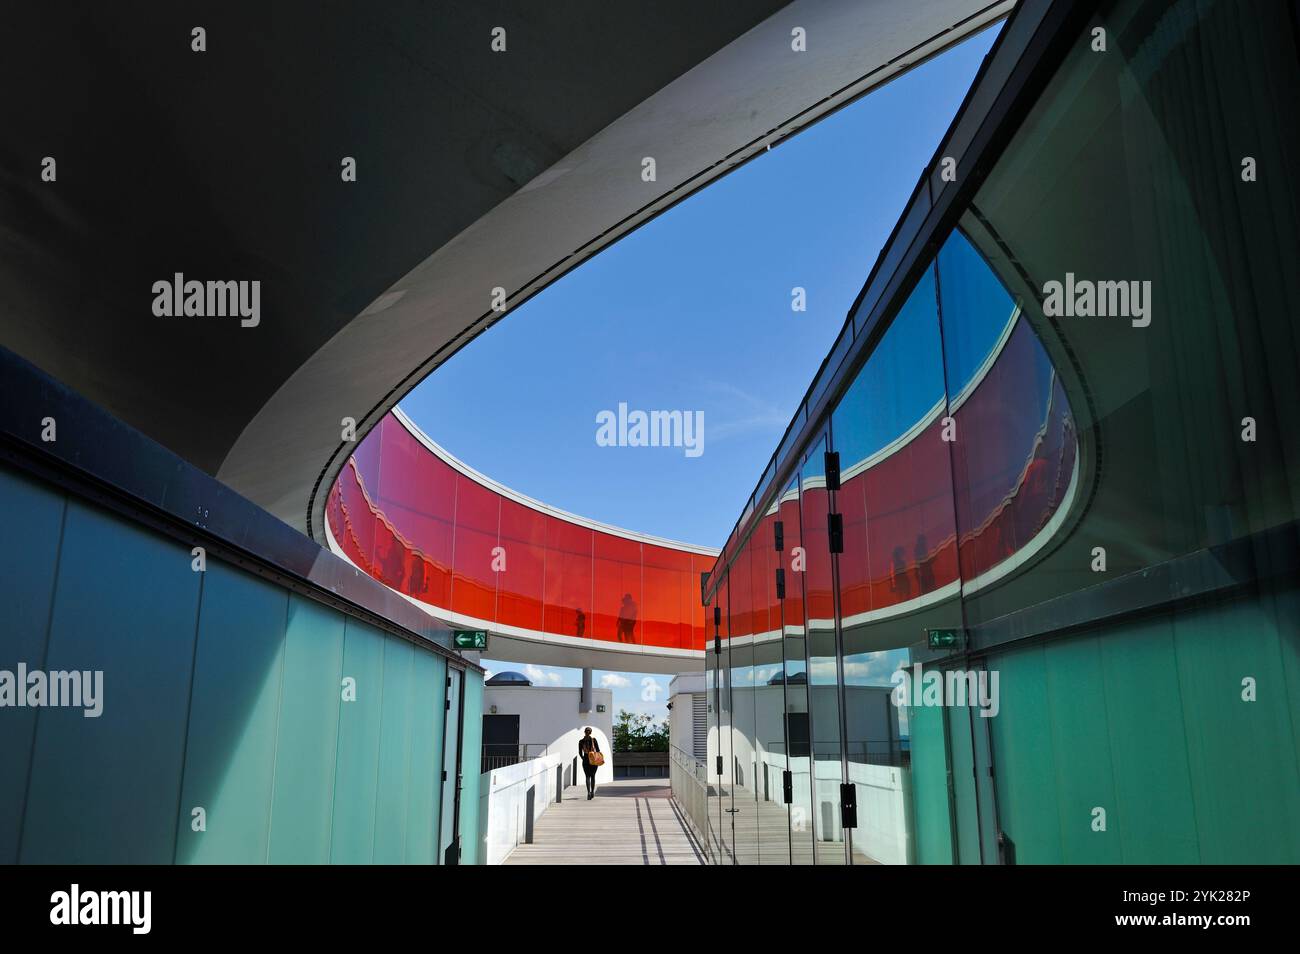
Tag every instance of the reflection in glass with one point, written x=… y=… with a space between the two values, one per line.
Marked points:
x=743 y=756
x=766 y=687
x=823 y=679
x=794 y=677
x=720 y=748
x=898 y=570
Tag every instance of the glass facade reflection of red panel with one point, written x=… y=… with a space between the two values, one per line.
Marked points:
x=910 y=542
x=855 y=562
x=789 y=514
x=1012 y=469
x=765 y=617
x=818 y=594
x=742 y=603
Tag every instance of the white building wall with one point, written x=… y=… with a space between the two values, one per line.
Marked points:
x=547 y=715
x=682 y=691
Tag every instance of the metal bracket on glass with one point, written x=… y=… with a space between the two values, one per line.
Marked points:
x=832 y=460
x=848 y=805
x=835 y=532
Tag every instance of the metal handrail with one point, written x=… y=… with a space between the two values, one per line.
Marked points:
x=495 y=755
x=697 y=766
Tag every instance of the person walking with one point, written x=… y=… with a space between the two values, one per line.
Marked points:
x=592 y=759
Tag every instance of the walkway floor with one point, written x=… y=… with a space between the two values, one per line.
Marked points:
x=629 y=822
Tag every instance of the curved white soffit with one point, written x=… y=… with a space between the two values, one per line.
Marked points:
x=552 y=649
x=746 y=97
x=460 y=466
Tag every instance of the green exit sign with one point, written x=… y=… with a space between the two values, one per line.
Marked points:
x=471 y=639
x=947 y=638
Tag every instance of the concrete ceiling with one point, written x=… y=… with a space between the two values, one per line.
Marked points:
x=475 y=170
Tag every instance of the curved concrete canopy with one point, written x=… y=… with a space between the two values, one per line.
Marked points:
x=475 y=170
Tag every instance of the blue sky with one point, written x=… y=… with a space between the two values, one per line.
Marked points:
x=692 y=312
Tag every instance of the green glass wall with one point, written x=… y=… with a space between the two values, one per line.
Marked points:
x=241 y=723
x=1147 y=724
x=1098 y=503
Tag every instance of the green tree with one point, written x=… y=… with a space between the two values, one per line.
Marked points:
x=637 y=732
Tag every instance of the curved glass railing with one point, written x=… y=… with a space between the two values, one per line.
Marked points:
x=478 y=554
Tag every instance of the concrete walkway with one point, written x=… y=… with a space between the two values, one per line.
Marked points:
x=629 y=822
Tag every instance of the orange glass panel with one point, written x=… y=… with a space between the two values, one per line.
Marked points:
x=523 y=556
x=617 y=577
x=474 y=582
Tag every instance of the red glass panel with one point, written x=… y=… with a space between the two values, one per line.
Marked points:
x=568 y=605
x=666 y=579
x=617 y=577
x=520 y=584
x=700 y=614
x=474 y=582
x=417 y=495
x=416 y=524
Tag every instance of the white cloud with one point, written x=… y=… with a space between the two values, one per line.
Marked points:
x=541 y=675
x=612 y=680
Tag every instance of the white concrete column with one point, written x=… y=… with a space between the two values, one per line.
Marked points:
x=584 y=700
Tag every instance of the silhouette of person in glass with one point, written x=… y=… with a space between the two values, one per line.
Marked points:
x=416 y=588
x=899 y=581
x=626 y=619
x=580 y=621
x=924 y=565
x=392 y=564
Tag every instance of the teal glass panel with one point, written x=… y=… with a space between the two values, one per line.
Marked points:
x=931 y=814
x=33 y=516
x=424 y=786
x=394 y=752
x=471 y=762
x=355 y=780
x=447 y=815
x=308 y=734
x=105 y=790
x=233 y=724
